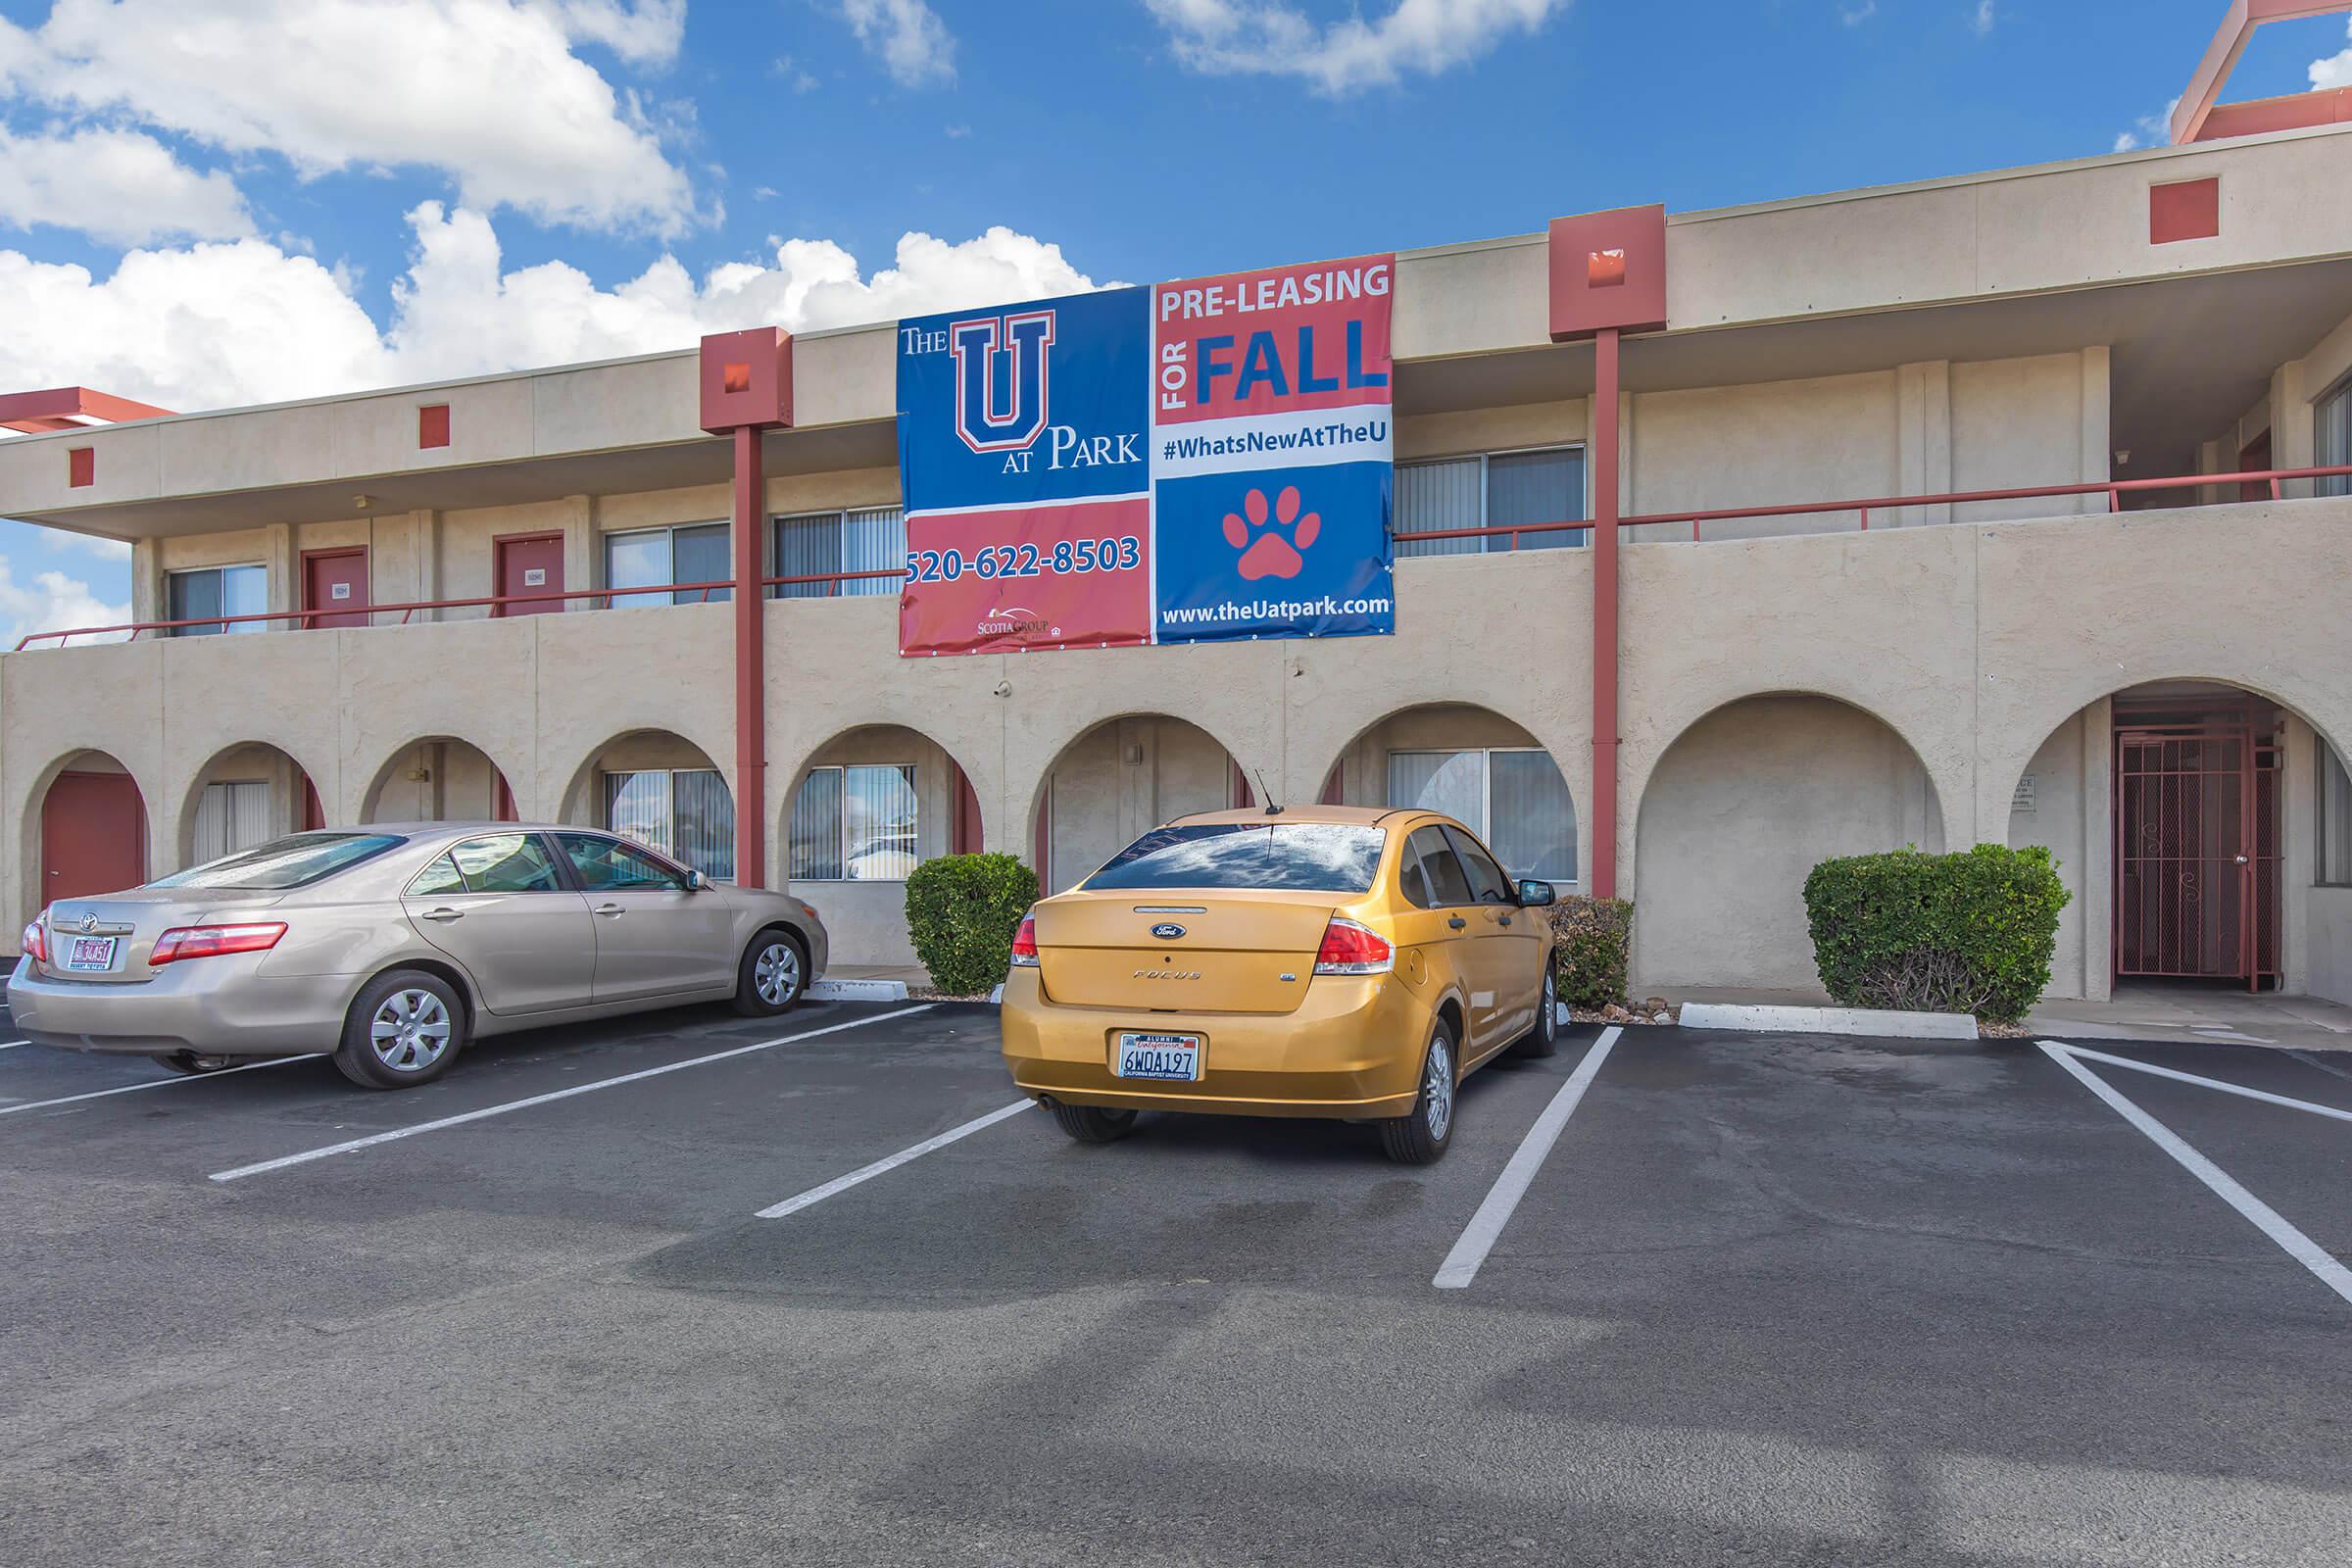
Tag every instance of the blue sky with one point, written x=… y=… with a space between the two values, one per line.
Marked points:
x=215 y=202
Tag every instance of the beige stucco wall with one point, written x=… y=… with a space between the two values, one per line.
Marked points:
x=1739 y=810
x=1980 y=645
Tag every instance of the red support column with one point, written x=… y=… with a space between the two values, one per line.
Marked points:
x=1603 y=881
x=751 y=665
x=745 y=390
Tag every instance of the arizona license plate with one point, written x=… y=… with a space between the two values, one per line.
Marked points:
x=90 y=954
x=1170 y=1056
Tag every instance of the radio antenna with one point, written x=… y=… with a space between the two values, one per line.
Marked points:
x=1273 y=806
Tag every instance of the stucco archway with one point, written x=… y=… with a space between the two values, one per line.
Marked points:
x=438 y=778
x=85 y=830
x=243 y=795
x=1740 y=807
x=660 y=788
x=1477 y=766
x=1119 y=778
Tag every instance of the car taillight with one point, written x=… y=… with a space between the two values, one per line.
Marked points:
x=1024 y=944
x=1352 y=949
x=35 y=941
x=211 y=941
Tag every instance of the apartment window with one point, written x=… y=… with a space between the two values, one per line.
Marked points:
x=1514 y=798
x=684 y=813
x=2333 y=446
x=216 y=591
x=2335 y=820
x=1490 y=490
x=656 y=557
x=820 y=543
x=231 y=816
x=855 y=824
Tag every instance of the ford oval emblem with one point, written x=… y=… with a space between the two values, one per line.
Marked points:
x=1167 y=931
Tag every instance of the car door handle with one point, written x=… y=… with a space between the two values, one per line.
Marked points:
x=608 y=909
x=1457 y=922
x=443 y=915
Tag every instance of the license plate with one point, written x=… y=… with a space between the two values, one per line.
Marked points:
x=1170 y=1056
x=90 y=954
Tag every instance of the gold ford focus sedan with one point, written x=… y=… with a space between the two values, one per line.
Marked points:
x=1328 y=961
x=393 y=946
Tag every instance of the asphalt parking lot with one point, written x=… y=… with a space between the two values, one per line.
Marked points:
x=1766 y=1299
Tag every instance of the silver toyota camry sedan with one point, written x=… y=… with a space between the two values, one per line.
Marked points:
x=393 y=946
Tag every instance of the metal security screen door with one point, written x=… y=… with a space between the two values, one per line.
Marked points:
x=2197 y=854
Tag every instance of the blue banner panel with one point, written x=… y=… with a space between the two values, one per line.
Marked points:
x=1018 y=405
x=1298 y=551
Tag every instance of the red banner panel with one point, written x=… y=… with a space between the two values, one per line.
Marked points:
x=1074 y=575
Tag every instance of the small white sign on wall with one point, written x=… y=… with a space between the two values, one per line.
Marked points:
x=340 y=590
x=2023 y=800
x=534 y=576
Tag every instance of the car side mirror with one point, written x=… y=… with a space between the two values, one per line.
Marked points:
x=1534 y=895
x=696 y=881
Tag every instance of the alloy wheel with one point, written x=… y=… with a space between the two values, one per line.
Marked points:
x=410 y=1031
x=776 y=973
x=1437 y=1089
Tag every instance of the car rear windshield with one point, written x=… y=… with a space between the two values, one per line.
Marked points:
x=1283 y=856
x=288 y=862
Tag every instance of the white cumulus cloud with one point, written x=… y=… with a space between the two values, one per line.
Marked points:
x=2333 y=71
x=916 y=46
x=219 y=324
x=1272 y=37
x=54 y=602
x=488 y=91
x=122 y=187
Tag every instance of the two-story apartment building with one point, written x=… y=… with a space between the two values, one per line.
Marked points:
x=1866 y=544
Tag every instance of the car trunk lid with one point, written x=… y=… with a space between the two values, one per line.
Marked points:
x=132 y=920
x=1172 y=950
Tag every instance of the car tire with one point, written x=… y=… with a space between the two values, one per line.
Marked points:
x=405 y=1028
x=1092 y=1124
x=1422 y=1138
x=772 y=975
x=193 y=1064
x=1545 y=1038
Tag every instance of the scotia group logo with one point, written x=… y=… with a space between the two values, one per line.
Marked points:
x=1273 y=540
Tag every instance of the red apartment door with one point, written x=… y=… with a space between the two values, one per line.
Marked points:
x=530 y=563
x=2198 y=860
x=334 y=588
x=2255 y=458
x=93 y=836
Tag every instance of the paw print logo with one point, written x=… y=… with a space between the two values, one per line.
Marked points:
x=1265 y=553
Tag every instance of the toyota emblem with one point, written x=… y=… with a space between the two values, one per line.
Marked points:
x=89 y=922
x=1167 y=931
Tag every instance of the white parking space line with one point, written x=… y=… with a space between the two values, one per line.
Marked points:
x=866 y=1173
x=1478 y=1239
x=156 y=1083
x=2080 y=1053
x=351 y=1145
x=10 y=1044
x=2297 y=1245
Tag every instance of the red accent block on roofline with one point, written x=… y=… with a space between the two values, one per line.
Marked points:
x=1608 y=269
x=2188 y=208
x=432 y=425
x=747 y=379
x=82 y=467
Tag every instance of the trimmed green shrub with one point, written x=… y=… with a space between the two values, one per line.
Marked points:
x=1972 y=932
x=961 y=911
x=1595 y=935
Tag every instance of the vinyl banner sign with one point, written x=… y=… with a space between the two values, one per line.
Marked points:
x=1197 y=462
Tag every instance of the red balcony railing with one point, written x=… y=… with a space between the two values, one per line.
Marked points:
x=2273 y=479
